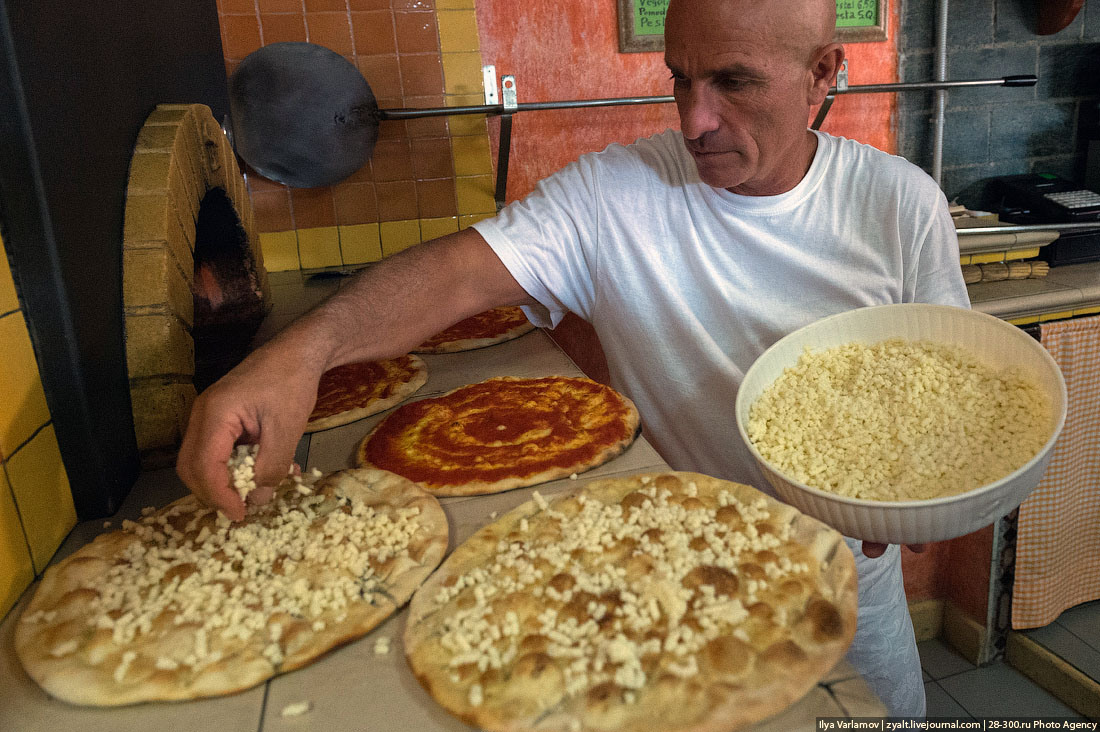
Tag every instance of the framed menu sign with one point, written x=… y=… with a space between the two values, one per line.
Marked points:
x=642 y=23
x=860 y=20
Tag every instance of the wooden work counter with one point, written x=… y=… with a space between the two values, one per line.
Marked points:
x=352 y=688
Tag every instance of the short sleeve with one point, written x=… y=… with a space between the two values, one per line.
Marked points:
x=548 y=242
x=938 y=274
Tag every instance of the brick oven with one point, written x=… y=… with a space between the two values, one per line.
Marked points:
x=79 y=83
x=194 y=288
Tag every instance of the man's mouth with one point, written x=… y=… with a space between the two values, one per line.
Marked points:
x=703 y=153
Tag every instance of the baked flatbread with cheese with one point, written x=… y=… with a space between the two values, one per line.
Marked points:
x=659 y=602
x=184 y=604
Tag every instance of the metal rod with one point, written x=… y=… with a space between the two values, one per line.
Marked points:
x=822 y=111
x=1012 y=228
x=940 y=100
x=496 y=109
x=492 y=109
x=1019 y=80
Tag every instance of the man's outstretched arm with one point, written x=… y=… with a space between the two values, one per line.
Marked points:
x=382 y=312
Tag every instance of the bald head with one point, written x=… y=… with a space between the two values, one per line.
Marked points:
x=798 y=26
x=746 y=74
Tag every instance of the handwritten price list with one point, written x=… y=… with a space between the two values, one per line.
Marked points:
x=649 y=17
x=856 y=13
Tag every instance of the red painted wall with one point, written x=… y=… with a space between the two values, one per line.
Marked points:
x=559 y=51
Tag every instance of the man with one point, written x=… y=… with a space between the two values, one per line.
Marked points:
x=689 y=252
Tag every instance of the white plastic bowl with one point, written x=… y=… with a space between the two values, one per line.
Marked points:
x=989 y=339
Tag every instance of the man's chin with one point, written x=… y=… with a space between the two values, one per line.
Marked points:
x=718 y=175
x=720 y=178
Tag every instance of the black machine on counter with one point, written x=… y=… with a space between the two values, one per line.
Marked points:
x=1043 y=198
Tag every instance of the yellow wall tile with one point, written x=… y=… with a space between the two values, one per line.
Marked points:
x=471 y=155
x=465 y=222
x=280 y=250
x=23 y=407
x=458 y=31
x=360 y=243
x=454 y=4
x=16 y=570
x=435 y=228
x=462 y=73
x=1056 y=316
x=1022 y=254
x=1026 y=320
x=466 y=124
x=319 y=247
x=987 y=258
x=8 y=299
x=475 y=194
x=398 y=235
x=965 y=260
x=42 y=493
x=1086 y=311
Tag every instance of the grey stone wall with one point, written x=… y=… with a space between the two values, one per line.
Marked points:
x=993 y=131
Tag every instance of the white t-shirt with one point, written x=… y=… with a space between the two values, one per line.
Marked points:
x=686 y=285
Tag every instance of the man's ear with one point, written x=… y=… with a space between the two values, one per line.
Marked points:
x=823 y=70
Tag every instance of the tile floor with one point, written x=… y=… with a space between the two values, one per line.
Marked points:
x=1074 y=637
x=954 y=687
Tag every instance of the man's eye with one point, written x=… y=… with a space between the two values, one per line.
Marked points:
x=678 y=79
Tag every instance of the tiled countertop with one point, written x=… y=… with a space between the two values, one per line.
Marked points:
x=352 y=688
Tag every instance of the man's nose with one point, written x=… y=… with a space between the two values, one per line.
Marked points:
x=698 y=111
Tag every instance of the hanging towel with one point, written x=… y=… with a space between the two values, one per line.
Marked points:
x=1058 y=539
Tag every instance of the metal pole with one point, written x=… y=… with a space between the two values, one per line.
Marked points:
x=496 y=109
x=1013 y=228
x=939 y=74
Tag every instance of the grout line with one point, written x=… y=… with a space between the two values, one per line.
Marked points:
x=24 y=443
x=957 y=701
x=263 y=706
x=1075 y=635
x=1088 y=645
x=19 y=515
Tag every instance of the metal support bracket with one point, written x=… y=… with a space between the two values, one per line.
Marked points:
x=508 y=92
x=489 y=83
x=841 y=85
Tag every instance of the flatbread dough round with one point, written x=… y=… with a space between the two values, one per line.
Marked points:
x=183 y=604
x=652 y=603
x=502 y=433
x=478 y=331
x=356 y=390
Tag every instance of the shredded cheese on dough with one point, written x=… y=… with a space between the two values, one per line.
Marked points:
x=479 y=635
x=222 y=586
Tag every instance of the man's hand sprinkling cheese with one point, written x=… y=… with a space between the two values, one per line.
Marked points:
x=382 y=313
x=242 y=475
x=265 y=401
x=242 y=469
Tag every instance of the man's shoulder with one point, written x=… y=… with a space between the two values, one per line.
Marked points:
x=660 y=149
x=867 y=165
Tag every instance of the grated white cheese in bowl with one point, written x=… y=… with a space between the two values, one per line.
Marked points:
x=909 y=460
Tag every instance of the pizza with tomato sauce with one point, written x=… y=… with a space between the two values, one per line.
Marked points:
x=484 y=329
x=356 y=390
x=502 y=433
